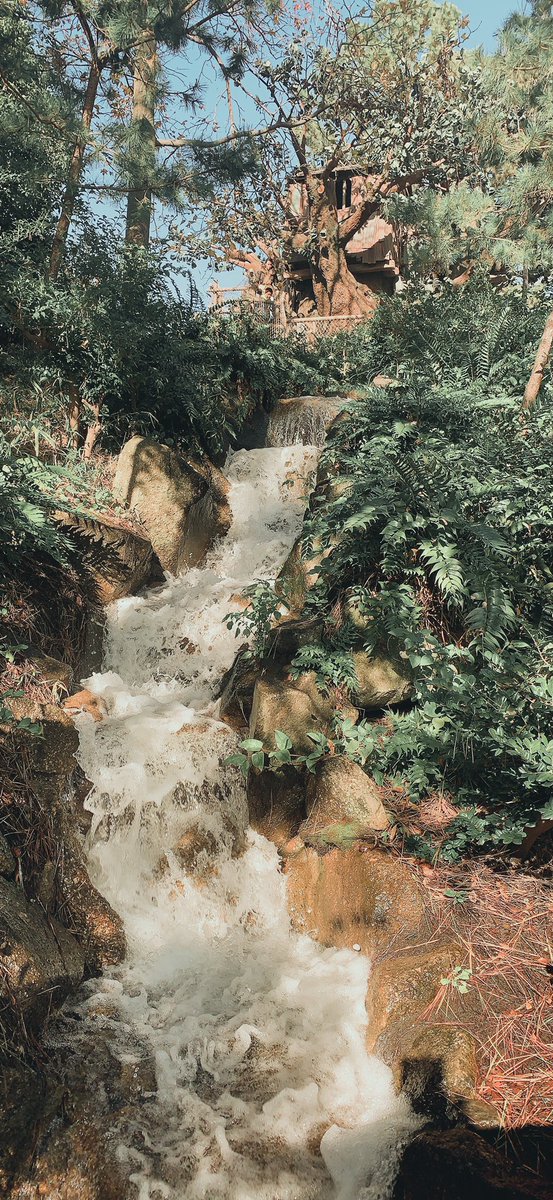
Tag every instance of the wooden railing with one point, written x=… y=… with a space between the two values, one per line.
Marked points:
x=267 y=312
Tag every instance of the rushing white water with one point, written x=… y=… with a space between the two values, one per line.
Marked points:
x=264 y=1088
x=305 y=419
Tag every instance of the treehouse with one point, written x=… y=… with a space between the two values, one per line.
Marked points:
x=372 y=253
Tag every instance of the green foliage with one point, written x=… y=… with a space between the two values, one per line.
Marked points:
x=459 y=978
x=435 y=524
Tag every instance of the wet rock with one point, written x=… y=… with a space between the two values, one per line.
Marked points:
x=22 y=1097
x=86 y=701
x=53 y=752
x=341 y=792
x=7 y=860
x=40 y=961
x=119 y=560
x=209 y=519
x=95 y=924
x=382 y=680
x=152 y=480
x=400 y=988
x=295 y=706
x=353 y=896
x=303 y=419
x=195 y=848
x=457 y=1164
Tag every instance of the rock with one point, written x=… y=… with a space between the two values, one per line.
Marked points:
x=295 y=706
x=340 y=792
x=95 y=924
x=53 y=752
x=193 y=847
x=209 y=518
x=7 y=860
x=51 y=670
x=354 y=896
x=299 y=574
x=438 y=1070
x=22 y=1094
x=119 y=560
x=384 y=381
x=237 y=687
x=382 y=680
x=86 y=701
x=457 y=1164
x=152 y=480
x=304 y=419
x=276 y=802
x=400 y=988
x=40 y=961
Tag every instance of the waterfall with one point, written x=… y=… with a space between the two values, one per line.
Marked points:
x=304 y=419
x=257 y=1032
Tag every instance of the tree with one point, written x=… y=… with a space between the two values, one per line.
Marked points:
x=390 y=93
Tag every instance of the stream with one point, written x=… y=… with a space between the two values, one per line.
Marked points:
x=264 y=1088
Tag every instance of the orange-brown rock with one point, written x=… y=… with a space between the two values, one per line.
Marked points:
x=96 y=925
x=340 y=791
x=86 y=701
x=295 y=706
x=353 y=897
x=119 y=560
x=400 y=989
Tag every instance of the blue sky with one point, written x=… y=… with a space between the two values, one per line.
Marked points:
x=486 y=17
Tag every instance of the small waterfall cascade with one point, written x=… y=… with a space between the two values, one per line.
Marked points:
x=264 y=1088
x=302 y=419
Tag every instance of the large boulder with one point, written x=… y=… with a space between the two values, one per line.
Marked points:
x=353 y=896
x=437 y=1067
x=119 y=560
x=209 y=518
x=457 y=1164
x=382 y=680
x=152 y=480
x=295 y=706
x=237 y=688
x=340 y=792
x=400 y=989
x=304 y=419
x=276 y=803
x=40 y=961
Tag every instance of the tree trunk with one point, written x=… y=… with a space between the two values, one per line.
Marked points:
x=540 y=363
x=74 y=176
x=139 y=203
x=337 y=292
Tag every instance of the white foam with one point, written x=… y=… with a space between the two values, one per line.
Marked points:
x=257 y=1033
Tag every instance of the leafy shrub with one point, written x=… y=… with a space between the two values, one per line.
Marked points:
x=434 y=518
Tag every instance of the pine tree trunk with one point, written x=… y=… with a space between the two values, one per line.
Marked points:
x=139 y=202
x=74 y=176
x=540 y=363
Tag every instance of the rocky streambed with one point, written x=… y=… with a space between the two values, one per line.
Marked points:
x=258 y=1028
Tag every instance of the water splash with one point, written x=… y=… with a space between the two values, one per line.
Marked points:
x=264 y=1088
